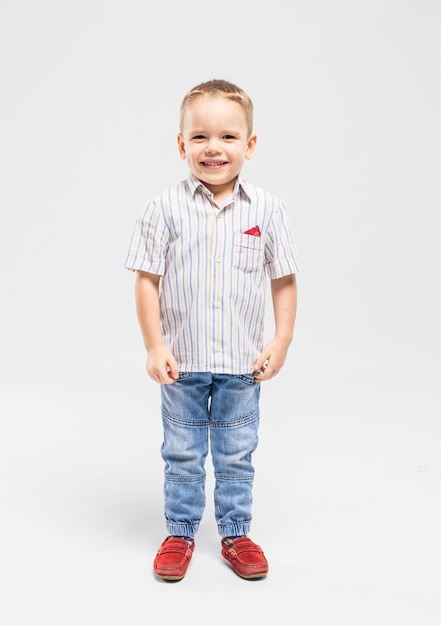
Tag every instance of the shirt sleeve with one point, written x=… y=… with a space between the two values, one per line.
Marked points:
x=149 y=242
x=281 y=257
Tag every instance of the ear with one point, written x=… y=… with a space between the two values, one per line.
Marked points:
x=181 y=147
x=250 y=146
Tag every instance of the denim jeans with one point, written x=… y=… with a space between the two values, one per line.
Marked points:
x=217 y=412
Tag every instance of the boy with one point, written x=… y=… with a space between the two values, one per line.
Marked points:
x=201 y=251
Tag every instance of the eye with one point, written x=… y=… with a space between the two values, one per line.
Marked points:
x=198 y=137
x=229 y=137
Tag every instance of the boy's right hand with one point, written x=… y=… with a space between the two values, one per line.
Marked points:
x=162 y=366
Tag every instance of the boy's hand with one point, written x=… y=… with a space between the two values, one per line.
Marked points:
x=162 y=366
x=270 y=360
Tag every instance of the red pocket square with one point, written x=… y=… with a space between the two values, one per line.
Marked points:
x=255 y=231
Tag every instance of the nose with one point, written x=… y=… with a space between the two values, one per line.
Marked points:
x=212 y=146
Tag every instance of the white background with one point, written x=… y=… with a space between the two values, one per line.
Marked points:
x=348 y=475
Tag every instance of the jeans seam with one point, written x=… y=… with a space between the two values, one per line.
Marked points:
x=184 y=422
x=185 y=479
x=237 y=477
x=242 y=421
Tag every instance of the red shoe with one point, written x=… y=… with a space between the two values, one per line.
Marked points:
x=173 y=557
x=245 y=557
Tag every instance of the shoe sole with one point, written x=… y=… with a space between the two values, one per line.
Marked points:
x=170 y=578
x=246 y=576
x=251 y=576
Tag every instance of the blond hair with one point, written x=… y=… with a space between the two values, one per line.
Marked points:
x=221 y=89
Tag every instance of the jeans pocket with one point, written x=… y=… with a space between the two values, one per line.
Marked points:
x=248 y=379
x=184 y=375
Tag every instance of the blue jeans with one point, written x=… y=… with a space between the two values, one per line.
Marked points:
x=217 y=410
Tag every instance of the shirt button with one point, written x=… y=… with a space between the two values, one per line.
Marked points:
x=217 y=348
x=218 y=259
x=219 y=215
x=217 y=304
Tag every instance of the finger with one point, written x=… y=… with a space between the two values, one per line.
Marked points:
x=161 y=376
x=266 y=374
x=165 y=379
x=261 y=375
x=173 y=371
x=261 y=362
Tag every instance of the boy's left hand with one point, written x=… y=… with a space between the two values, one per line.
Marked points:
x=270 y=360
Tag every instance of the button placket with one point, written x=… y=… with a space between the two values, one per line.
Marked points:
x=217 y=286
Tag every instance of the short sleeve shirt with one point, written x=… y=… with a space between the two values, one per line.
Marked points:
x=214 y=264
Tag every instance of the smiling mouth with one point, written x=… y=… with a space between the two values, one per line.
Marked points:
x=213 y=164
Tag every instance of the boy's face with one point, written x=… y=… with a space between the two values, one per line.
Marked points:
x=214 y=141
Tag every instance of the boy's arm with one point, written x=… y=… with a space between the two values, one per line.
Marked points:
x=273 y=355
x=161 y=364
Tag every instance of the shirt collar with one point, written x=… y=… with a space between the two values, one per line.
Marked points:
x=194 y=184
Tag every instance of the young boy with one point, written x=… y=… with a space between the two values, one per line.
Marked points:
x=201 y=251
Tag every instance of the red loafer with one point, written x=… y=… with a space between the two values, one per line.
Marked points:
x=245 y=557
x=173 y=557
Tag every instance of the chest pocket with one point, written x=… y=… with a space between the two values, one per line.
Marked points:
x=248 y=253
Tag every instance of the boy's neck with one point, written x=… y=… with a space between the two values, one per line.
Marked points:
x=221 y=193
x=221 y=197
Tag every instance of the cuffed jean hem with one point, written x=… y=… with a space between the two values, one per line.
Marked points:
x=234 y=529
x=184 y=530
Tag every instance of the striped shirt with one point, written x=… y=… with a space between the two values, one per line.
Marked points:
x=214 y=263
